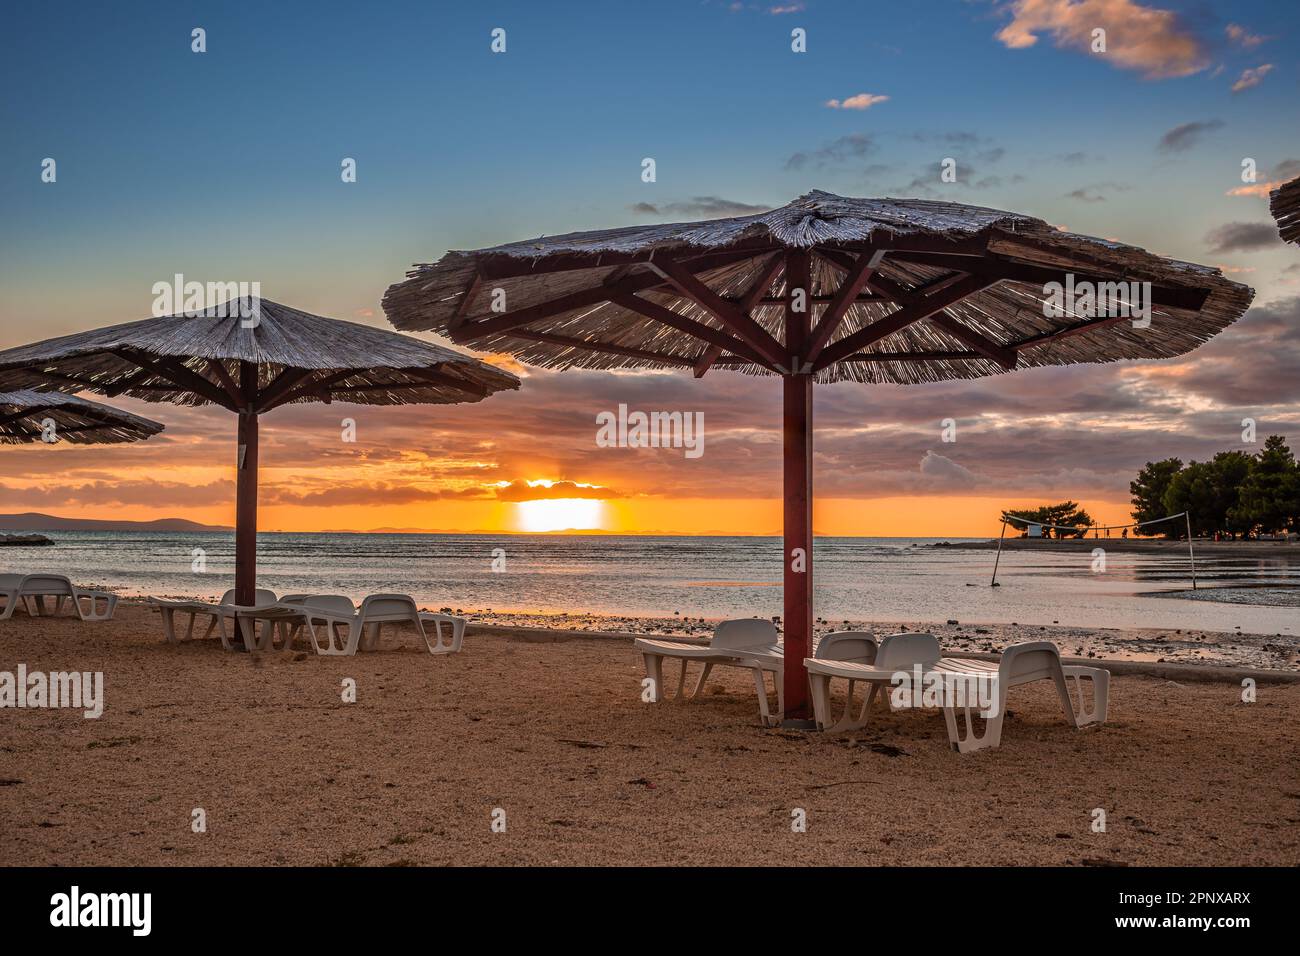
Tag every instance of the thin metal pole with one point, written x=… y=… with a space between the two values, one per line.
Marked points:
x=1191 y=551
x=994 y=582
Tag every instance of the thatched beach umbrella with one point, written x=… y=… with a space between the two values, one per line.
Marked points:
x=1284 y=204
x=26 y=417
x=824 y=289
x=278 y=356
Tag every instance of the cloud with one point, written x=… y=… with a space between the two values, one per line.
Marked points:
x=707 y=207
x=1241 y=237
x=1093 y=192
x=1183 y=137
x=1138 y=37
x=941 y=472
x=1252 y=77
x=533 y=491
x=779 y=9
x=1243 y=37
x=836 y=152
x=859 y=101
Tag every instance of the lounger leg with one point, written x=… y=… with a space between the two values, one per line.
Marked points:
x=820 y=684
x=1100 y=679
x=699 y=684
x=169 y=634
x=681 y=681
x=1063 y=691
x=189 y=630
x=763 y=712
x=226 y=641
x=654 y=669
x=213 y=621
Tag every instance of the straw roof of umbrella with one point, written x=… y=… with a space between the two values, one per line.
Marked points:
x=299 y=357
x=23 y=414
x=936 y=290
x=1284 y=204
x=250 y=356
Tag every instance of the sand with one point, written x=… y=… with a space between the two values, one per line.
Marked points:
x=555 y=734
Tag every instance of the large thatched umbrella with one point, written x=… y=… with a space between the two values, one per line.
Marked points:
x=24 y=414
x=276 y=356
x=1284 y=203
x=899 y=291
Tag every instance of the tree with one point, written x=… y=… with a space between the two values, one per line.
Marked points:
x=1067 y=513
x=1269 y=498
x=1208 y=492
x=1148 y=491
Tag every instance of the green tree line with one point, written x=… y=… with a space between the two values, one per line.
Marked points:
x=1234 y=493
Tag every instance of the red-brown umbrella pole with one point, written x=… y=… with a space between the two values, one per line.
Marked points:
x=798 y=448
x=797 y=435
x=246 y=490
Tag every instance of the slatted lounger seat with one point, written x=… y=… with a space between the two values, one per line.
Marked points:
x=1019 y=664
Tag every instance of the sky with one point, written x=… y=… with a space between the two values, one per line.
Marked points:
x=225 y=165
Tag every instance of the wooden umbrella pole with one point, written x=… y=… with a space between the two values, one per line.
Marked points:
x=246 y=492
x=798 y=579
x=797 y=452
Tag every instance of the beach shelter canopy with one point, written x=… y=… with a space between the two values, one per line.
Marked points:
x=824 y=289
x=1284 y=203
x=249 y=357
x=24 y=413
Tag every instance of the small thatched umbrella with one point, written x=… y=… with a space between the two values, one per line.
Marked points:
x=1284 y=204
x=900 y=291
x=278 y=356
x=24 y=413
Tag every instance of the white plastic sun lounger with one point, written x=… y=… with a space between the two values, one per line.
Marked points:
x=345 y=631
x=1019 y=664
x=34 y=590
x=751 y=643
x=217 y=613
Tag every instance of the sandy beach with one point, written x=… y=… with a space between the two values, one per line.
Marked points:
x=553 y=732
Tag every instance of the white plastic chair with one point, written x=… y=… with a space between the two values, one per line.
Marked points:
x=241 y=622
x=361 y=629
x=897 y=652
x=1023 y=664
x=746 y=642
x=33 y=591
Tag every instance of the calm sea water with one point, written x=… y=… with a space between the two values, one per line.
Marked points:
x=883 y=579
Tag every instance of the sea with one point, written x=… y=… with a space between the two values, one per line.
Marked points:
x=857 y=579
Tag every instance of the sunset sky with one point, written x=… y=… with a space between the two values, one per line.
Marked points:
x=225 y=165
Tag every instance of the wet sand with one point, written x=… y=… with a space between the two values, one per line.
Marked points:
x=554 y=734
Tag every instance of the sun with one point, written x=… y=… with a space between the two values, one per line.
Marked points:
x=560 y=514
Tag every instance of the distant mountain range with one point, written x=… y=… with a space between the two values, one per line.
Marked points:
x=33 y=521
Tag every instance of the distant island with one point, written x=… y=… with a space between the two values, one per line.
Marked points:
x=34 y=521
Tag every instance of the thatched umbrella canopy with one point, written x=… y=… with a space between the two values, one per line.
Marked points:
x=24 y=413
x=1284 y=204
x=276 y=356
x=824 y=289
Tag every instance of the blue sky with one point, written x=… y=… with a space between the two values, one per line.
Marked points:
x=228 y=161
x=225 y=165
